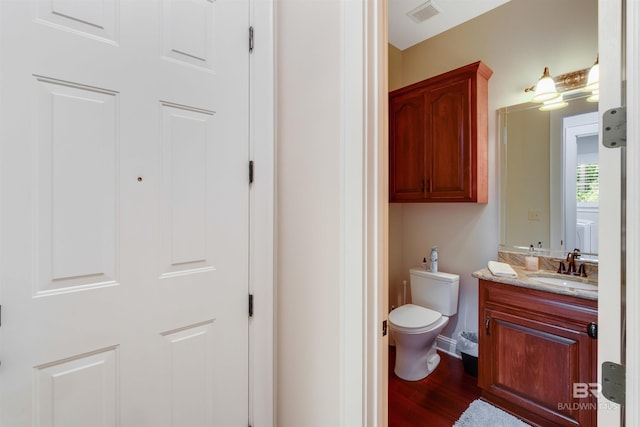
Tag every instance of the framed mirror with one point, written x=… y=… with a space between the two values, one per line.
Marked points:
x=549 y=177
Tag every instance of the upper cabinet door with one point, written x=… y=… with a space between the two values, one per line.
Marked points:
x=406 y=147
x=438 y=131
x=449 y=142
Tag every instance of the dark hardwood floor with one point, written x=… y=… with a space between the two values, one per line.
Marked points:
x=436 y=401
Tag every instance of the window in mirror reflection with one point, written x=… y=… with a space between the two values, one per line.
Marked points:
x=581 y=178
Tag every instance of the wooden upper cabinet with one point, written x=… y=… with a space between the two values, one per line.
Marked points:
x=438 y=131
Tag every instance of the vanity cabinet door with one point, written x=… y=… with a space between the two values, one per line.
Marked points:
x=438 y=130
x=535 y=357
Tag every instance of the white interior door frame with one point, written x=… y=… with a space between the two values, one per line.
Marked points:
x=609 y=346
x=633 y=213
x=609 y=271
x=376 y=241
x=262 y=374
x=364 y=215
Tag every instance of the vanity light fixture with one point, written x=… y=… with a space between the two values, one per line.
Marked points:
x=550 y=91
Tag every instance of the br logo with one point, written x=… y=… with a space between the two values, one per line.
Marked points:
x=583 y=390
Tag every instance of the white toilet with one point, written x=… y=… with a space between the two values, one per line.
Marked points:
x=415 y=327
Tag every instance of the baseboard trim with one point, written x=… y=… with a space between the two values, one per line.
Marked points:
x=447 y=345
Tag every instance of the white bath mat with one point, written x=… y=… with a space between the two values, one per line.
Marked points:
x=483 y=414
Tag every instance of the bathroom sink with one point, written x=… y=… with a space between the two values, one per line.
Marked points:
x=567 y=283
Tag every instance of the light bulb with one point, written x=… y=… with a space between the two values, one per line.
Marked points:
x=546 y=88
x=593 y=79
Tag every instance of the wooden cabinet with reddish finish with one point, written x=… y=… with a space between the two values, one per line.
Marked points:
x=407 y=170
x=438 y=131
x=536 y=359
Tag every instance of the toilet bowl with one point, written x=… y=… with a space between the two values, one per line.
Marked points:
x=414 y=330
x=415 y=327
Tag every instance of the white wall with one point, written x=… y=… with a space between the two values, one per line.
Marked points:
x=516 y=40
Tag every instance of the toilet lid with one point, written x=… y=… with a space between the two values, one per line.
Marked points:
x=413 y=316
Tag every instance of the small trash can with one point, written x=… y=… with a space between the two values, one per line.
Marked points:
x=467 y=345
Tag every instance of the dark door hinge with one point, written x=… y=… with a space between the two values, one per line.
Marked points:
x=250 y=305
x=250 y=171
x=250 y=39
x=384 y=328
x=614 y=382
x=614 y=124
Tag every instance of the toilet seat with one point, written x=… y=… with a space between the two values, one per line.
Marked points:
x=411 y=318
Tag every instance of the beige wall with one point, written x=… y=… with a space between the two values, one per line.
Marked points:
x=308 y=206
x=516 y=40
x=395 y=68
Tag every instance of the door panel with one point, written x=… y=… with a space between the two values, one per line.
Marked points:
x=80 y=391
x=76 y=194
x=190 y=363
x=188 y=34
x=185 y=188
x=91 y=18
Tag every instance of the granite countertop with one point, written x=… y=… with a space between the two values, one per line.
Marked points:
x=526 y=279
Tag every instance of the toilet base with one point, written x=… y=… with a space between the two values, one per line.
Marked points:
x=411 y=366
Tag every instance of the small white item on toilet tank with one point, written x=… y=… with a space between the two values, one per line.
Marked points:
x=434 y=259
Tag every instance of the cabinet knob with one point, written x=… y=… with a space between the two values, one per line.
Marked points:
x=592 y=330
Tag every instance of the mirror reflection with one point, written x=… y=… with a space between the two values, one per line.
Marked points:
x=549 y=176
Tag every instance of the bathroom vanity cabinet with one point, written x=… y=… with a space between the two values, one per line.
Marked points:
x=438 y=130
x=536 y=358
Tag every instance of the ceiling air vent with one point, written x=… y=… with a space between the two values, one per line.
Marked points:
x=424 y=12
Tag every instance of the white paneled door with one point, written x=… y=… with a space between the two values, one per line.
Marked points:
x=124 y=221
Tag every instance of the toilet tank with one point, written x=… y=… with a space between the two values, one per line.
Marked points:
x=437 y=291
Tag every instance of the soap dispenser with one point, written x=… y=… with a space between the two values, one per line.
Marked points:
x=531 y=260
